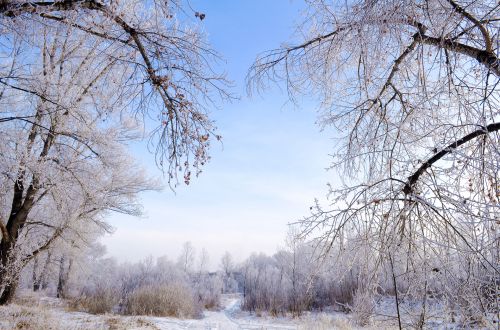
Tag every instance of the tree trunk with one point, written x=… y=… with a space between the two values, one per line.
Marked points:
x=8 y=292
x=63 y=277
x=43 y=277
x=61 y=280
x=8 y=280
x=36 y=282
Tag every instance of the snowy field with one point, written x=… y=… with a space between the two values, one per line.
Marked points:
x=50 y=313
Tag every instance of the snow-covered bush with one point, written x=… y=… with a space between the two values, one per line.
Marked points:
x=363 y=307
x=278 y=284
x=208 y=288
x=101 y=300
x=160 y=288
x=174 y=299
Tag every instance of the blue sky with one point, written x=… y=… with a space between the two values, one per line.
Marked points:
x=266 y=174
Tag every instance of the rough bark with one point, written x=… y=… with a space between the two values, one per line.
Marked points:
x=9 y=291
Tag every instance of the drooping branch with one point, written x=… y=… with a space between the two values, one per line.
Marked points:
x=156 y=81
x=184 y=129
x=412 y=180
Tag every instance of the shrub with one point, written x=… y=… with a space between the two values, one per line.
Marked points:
x=208 y=291
x=171 y=299
x=98 y=301
x=363 y=307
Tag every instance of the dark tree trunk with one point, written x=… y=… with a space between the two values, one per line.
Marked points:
x=61 y=280
x=34 y=278
x=7 y=289
x=8 y=293
x=43 y=277
x=63 y=277
x=23 y=200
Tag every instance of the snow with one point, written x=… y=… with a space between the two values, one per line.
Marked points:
x=39 y=313
x=223 y=319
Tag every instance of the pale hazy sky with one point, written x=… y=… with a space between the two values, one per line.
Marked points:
x=266 y=174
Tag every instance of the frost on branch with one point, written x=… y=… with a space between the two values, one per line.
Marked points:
x=164 y=61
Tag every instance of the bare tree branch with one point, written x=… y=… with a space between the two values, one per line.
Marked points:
x=412 y=180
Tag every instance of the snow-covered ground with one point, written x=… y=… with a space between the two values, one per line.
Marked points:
x=226 y=319
x=49 y=313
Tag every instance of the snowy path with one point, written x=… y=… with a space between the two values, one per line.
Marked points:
x=220 y=320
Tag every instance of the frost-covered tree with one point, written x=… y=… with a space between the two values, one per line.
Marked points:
x=203 y=261
x=281 y=283
x=64 y=169
x=78 y=80
x=186 y=258
x=228 y=271
x=227 y=264
x=412 y=88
